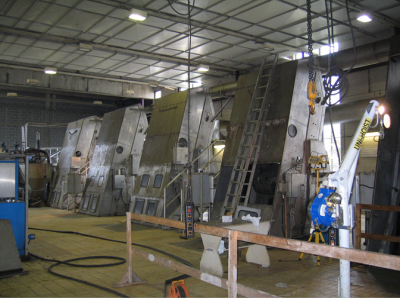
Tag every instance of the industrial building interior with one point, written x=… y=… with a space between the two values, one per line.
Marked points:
x=202 y=148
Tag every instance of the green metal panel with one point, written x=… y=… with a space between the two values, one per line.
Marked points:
x=280 y=98
x=161 y=138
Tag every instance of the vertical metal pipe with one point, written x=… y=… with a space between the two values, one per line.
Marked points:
x=165 y=198
x=129 y=245
x=181 y=205
x=201 y=196
x=26 y=201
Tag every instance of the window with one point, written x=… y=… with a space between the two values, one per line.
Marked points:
x=145 y=180
x=100 y=181
x=86 y=202
x=157 y=94
x=151 y=208
x=94 y=203
x=325 y=49
x=157 y=181
x=139 y=204
x=92 y=179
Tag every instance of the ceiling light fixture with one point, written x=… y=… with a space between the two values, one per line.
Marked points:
x=364 y=18
x=32 y=81
x=129 y=92
x=203 y=67
x=50 y=70
x=137 y=15
x=153 y=84
x=85 y=47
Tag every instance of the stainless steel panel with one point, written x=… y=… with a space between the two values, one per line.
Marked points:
x=112 y=164
x=79 y=141
x=196 y=188
x=7 y=180
x=169 y=123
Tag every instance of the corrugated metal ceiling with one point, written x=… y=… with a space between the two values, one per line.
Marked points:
x=228 y=35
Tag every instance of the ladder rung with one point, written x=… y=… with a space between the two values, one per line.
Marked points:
x=268 y=75
x=259 y=87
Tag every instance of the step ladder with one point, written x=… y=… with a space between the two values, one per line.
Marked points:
x=250 y=144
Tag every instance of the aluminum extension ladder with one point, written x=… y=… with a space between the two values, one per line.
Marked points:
x=250 y=144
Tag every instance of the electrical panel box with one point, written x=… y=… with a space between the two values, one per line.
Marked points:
x=119 y=181
x=180 y=155
x=74 y=183
x=201 y=189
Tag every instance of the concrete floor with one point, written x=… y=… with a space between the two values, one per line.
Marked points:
x=286 y=276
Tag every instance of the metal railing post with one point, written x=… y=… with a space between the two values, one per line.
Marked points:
x=129 y=245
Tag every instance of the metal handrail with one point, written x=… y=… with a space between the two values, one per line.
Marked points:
x=190 y=163
x=212 y=159
x=176 y=177
x=170 y=202
x=85 y=167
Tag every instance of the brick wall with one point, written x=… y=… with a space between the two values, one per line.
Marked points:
x=15 y=112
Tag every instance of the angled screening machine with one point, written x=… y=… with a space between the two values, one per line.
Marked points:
x=79 y=142
x=115 y=162
x=281 y=186
x=165 y=150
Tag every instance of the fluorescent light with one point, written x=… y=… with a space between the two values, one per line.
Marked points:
x=286 y=58
x=138 y=15
x=50 y=70
x=32 y=81
x=153 y=84
x=219 y=147
x=85 y=47
x=364 y=18
x=203 y=67
x=129 y=92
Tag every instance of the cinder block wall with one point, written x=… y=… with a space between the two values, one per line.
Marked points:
x=15 y=112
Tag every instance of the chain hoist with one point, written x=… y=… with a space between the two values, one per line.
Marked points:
x=312 y=86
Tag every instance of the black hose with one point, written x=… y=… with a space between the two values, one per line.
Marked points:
x=68 y=262
x=119 y=241
x=168 y=281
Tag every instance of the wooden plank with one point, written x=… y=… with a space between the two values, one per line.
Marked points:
x=380 y=207
x=358 y=227
x=208 y=278
x=159 y=220
x=353 y=255
x=380 y=237
x=232 y=265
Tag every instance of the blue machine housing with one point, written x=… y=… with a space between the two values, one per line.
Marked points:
x=319 y=209
x=15 y=212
